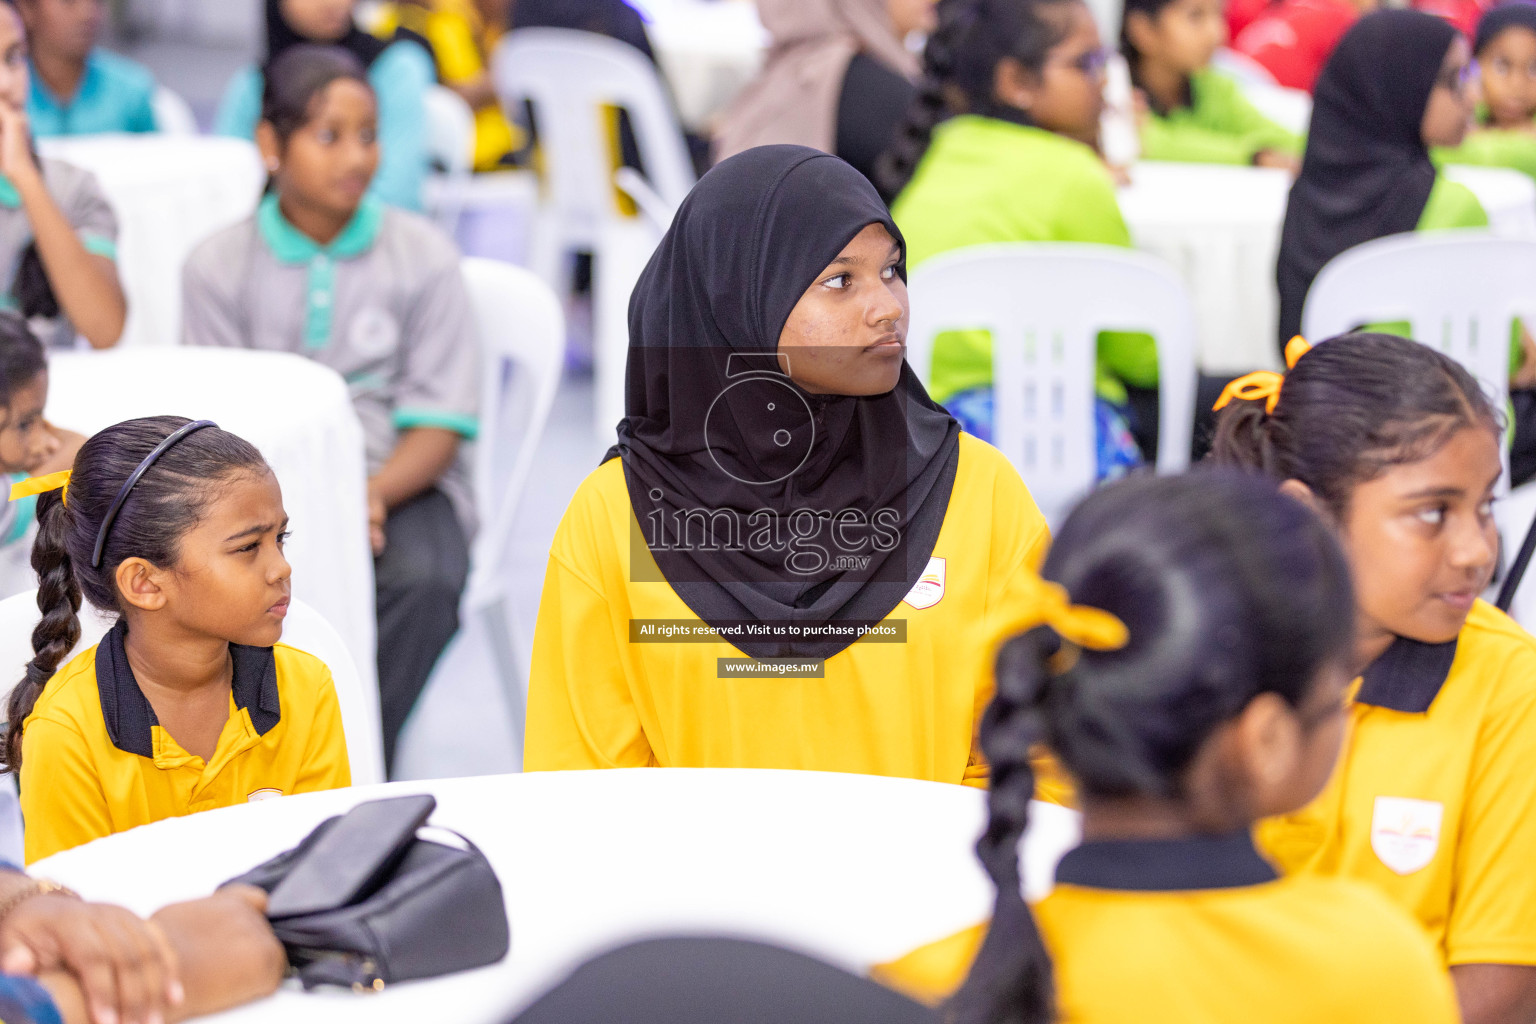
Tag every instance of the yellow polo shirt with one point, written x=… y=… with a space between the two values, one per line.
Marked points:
x=1202 y=931
x=95 y=760
x=598 y=700
x=1434 y=799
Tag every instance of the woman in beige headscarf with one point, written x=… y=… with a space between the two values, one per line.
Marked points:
x=838 y=78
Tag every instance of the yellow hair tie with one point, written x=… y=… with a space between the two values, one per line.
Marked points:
x=1092 y=628
x=1263 y=384
x=39 y=484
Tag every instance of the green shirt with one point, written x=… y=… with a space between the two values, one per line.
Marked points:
x=1492 y=147
x=1219 y=126
x=986 y=180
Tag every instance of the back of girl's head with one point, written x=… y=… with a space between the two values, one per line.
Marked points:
x=297 y=76
x=960 y=67
x=22 y=356
x=170 y=499
x=1350 y=409
x=1228 y=589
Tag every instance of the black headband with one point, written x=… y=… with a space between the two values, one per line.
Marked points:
x=133 y=478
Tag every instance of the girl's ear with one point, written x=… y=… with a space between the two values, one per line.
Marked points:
x=1015 y=85
x=1139 y=29
x=1267 y=739
x=1308 y=497
x=138 y=583
x=268 y=146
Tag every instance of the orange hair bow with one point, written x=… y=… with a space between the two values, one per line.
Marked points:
x=1092 y=628
x=40 y=484
x=1263 y=384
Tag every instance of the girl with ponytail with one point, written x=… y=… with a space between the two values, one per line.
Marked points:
x=1189 y=676
x=1397 y=448
x=999 y=146
x=189 y=702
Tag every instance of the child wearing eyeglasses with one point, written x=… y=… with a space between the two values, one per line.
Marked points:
x=1195 y=114
x=1000 y=145
x=1504 y=134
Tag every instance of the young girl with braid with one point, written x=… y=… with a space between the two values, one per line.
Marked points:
x=189 y=702
x=1190 y=677
x=999 y=146
x=1434 y=800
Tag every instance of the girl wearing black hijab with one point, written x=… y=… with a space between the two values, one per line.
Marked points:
x=400 y=72
x=782 y=487
x=1398 y=82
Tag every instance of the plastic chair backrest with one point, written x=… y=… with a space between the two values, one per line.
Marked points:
x=522 y=339
x=569 y=77
x=304 y=629
x=173 y=115
x=1045 y=304
x=1241 y=67
x=450 y=130
x=1459 y=291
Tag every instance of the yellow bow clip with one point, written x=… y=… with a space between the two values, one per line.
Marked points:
x=1092 y=628
x=1263 y=384
x=39 y=484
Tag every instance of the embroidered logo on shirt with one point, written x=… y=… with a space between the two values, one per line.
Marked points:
x=264 y=794
x=373 y=334
x=929 y=589
x=1405 y=833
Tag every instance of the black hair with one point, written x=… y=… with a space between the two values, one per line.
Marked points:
x=1499 y=19
x=22 y=357
x=959 y=68
x=1228 y=590
x=1133 y=57
x=296 y=77
x=170 y=499
x=1351 y=408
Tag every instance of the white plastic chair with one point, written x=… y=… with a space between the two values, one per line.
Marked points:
x=1458 y=290
x=451 y=145
x=1044 y=305
x=569 y=77
x=304 y=628
x=1241 y=67
x=522 y=330
x=173 y=115
x=1291 y=109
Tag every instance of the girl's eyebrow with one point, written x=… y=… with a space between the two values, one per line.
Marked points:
x=254 y=531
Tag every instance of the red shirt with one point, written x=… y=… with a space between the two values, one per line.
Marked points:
x=1294 y=38
x=1464 y=14
x=1242 y=13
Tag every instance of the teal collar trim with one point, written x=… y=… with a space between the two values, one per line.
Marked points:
x=9 y=197
x=290 y=245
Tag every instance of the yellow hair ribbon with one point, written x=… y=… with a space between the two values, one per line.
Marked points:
x=1263 y=384
x=39 y=484
x=1092 y=628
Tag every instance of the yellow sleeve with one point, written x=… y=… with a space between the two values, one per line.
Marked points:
x=1019 y=542
x=62 y=803
x=1493 y=916
x=326 y=764
x=932 y=973
x=581 y=713
x=452 y=36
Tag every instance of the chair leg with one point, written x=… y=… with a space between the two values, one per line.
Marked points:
x=505 y=650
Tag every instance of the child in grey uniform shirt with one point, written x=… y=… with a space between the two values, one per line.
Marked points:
x=377 y=294
x=58 y=235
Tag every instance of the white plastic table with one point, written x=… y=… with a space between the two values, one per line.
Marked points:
x=707 y=49
x=169 y=192
x=1219 y=226
x=853 y=868
x=296 y=412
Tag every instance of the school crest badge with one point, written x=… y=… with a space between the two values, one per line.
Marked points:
x=1405 y=833
x=264 y=794
x=929 y=588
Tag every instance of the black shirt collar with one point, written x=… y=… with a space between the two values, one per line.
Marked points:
x=1166 y=865
x=1408 y=675
x=126 y=710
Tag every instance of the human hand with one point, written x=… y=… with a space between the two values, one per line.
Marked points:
x=225 y=947
x=63 y=445
x=1525 y=376
x=16 y=160
x=377 y=514
x=125 y=967
x=1276 y=159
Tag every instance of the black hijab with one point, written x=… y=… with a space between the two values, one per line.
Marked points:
x=1366 y=173
x=1515 y=13
x=281 y=36
x=715 y=429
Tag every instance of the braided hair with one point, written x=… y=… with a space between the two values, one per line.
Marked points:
x=959 y=67
x=170 y=499
x=1190 y=565
x=1350 y=409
